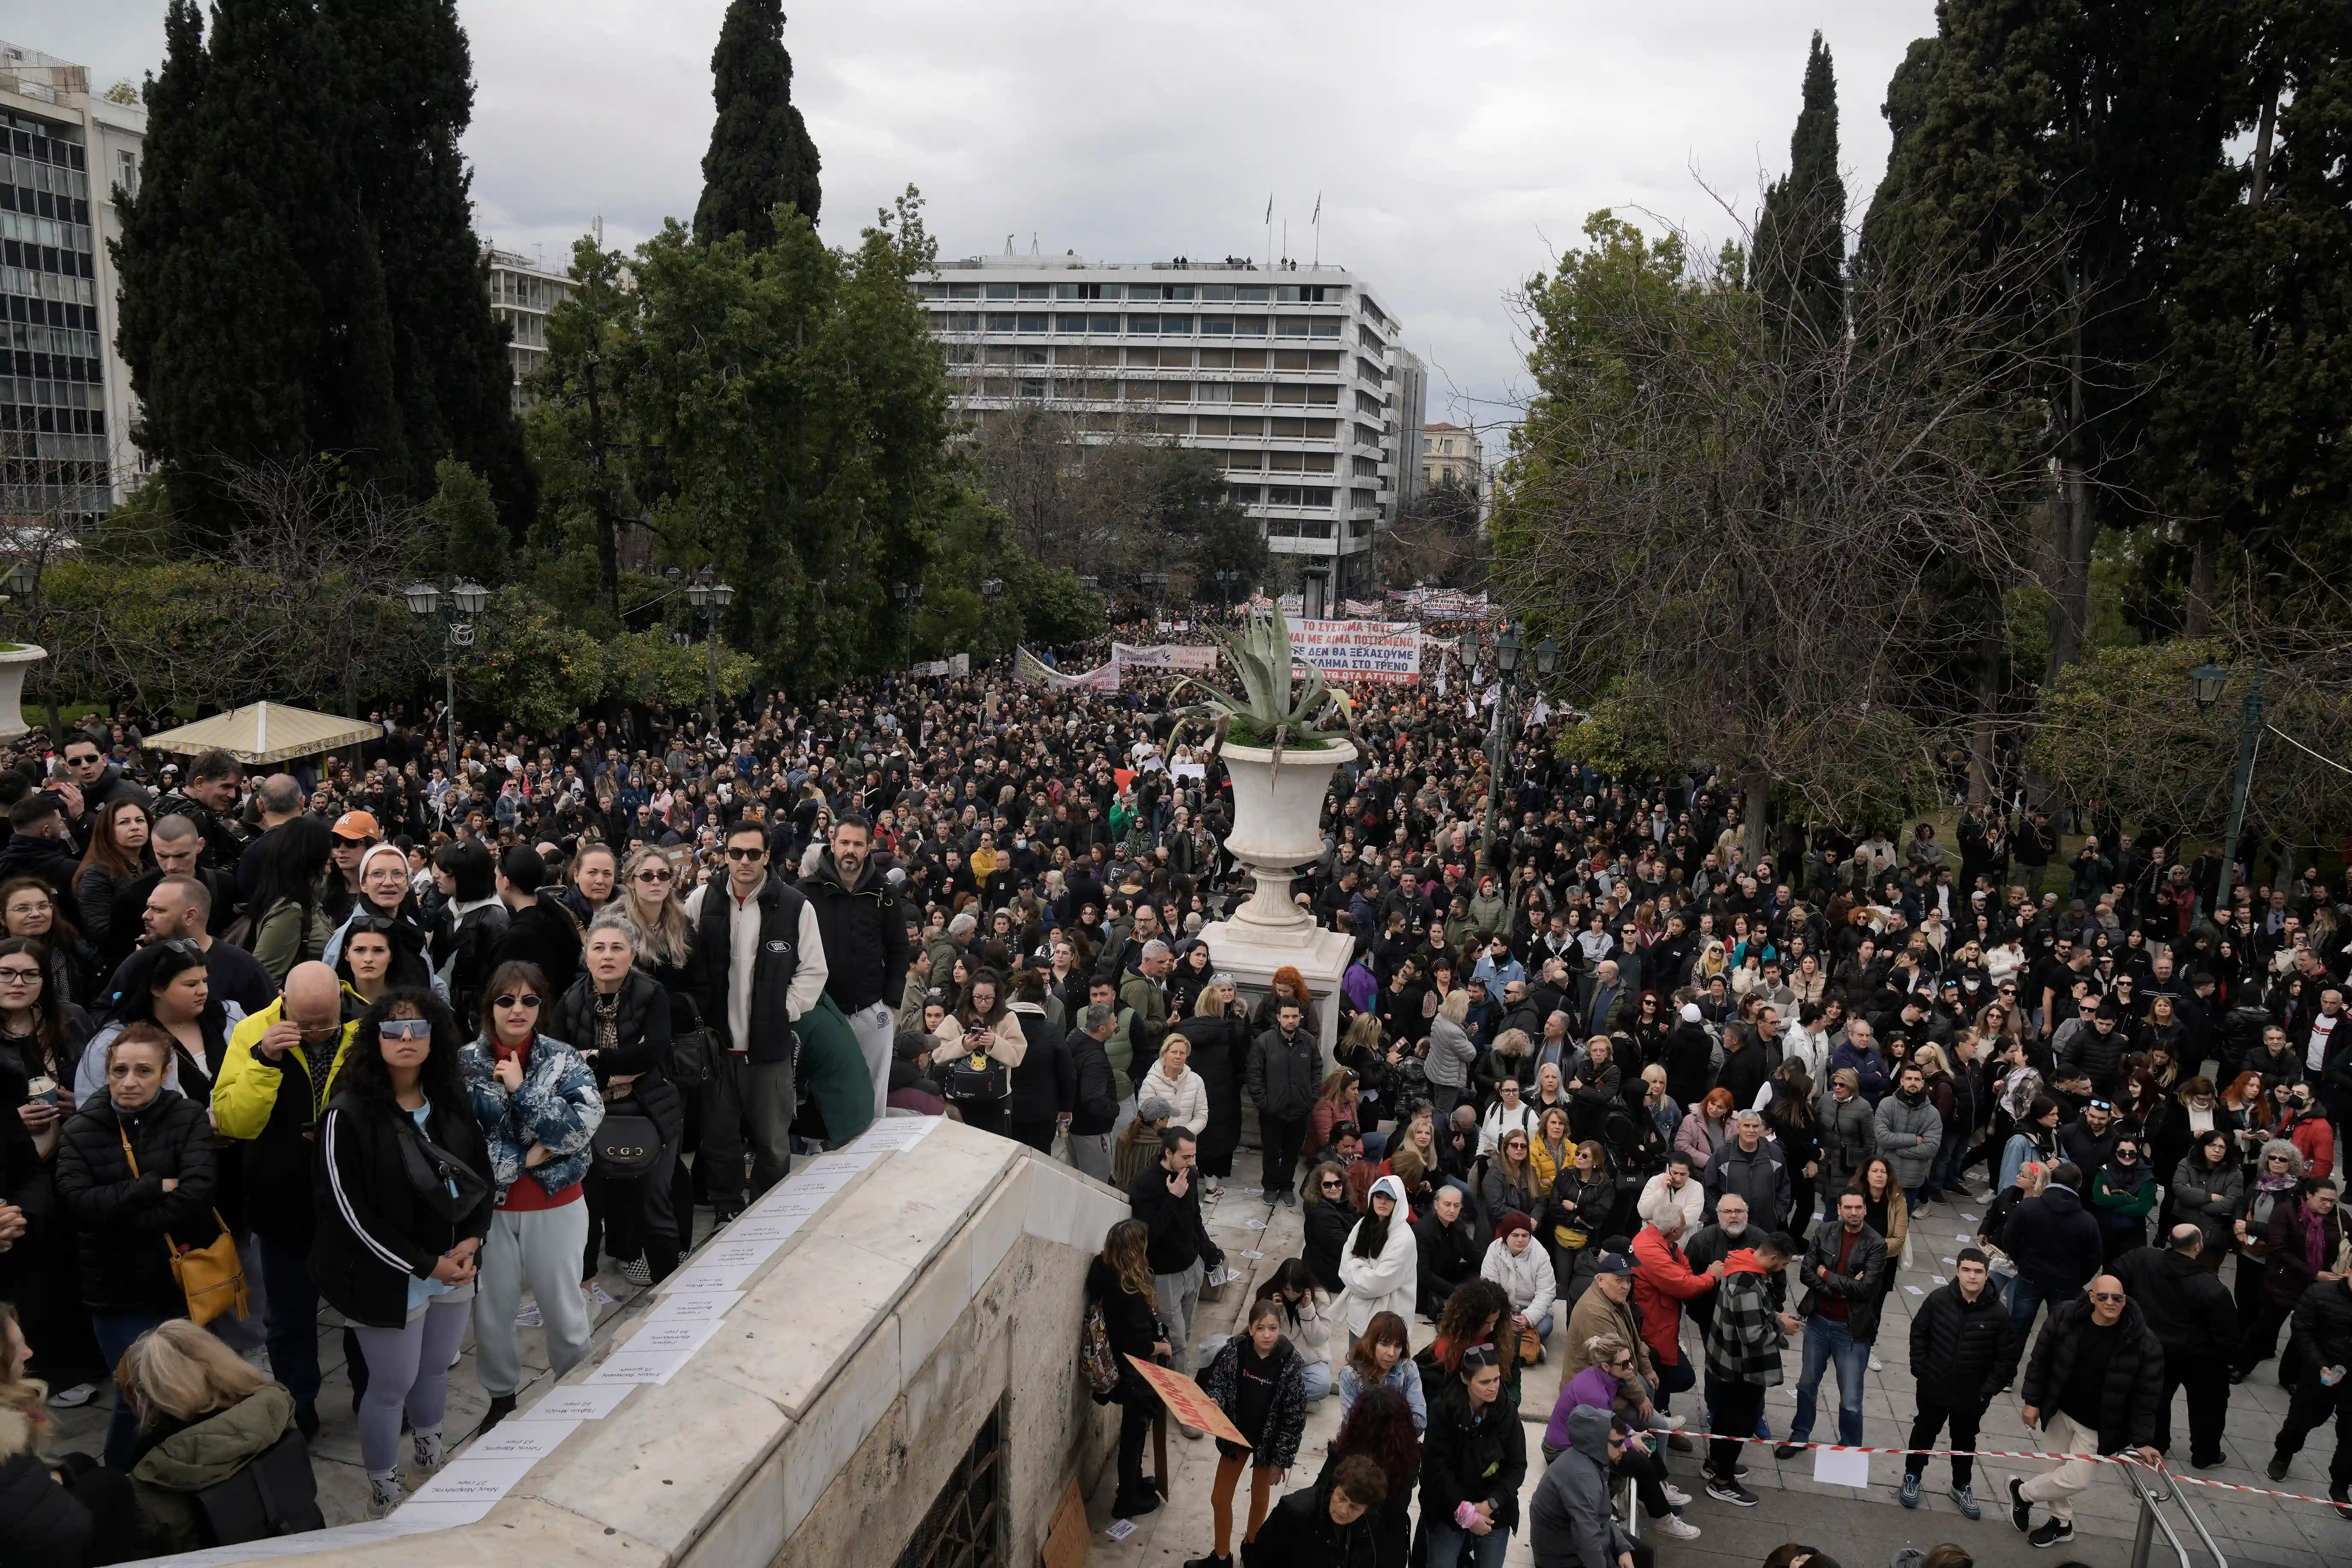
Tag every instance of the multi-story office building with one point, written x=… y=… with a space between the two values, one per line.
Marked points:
x=523 y=290
x=65 y=454
x=1287 y=375
x=1450 y=453
x=1410 y=383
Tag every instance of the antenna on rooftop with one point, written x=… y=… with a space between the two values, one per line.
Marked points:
x=1008 y=244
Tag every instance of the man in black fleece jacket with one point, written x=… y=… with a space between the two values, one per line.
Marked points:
x=1167 y=1197
x=2055 y=1242
x=2190 y=1313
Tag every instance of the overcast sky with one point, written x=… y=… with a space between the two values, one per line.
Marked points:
x=1456 y=148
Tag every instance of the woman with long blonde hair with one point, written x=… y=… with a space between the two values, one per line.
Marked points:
x=204 y=1415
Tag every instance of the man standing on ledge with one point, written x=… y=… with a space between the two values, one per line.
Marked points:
x=765 y=957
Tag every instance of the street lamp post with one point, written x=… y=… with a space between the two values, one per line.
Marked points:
x=2210 y=678
x=911 y=599
x=1228 y=579
x=1499 y=739
x=711 y=600
x=466 y=601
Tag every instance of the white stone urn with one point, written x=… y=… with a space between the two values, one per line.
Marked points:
x=1278 y=827
x=14 y=662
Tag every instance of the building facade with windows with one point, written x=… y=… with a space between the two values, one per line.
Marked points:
x=523 y=291
x=66 y=407
x=1287 y=375
x=1450 y=452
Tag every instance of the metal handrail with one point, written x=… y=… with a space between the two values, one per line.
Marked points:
x=2152 y=1499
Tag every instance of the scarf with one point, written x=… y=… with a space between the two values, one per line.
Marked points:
x=2314 y=1239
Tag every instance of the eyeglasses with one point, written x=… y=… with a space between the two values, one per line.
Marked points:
x=746 y=851
x=2113 y=1296
x=13 y=975
x=405 y=1028
x=523 y=1001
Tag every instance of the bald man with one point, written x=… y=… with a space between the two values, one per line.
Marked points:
x=2092 y=1386
x=279 y=1072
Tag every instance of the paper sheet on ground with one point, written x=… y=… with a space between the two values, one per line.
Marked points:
x=521 y=1440
x=664 y=1337
x=1841 y=1467
x=899 y=1133
x=694 y=1307
x=641 y=1366
x=708 y=1276
x=474 y=1480
x=576 y=1403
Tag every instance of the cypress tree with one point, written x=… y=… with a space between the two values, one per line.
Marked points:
x=1800 y=260
x=410 y=87
x=227 y=248
x=761 y=156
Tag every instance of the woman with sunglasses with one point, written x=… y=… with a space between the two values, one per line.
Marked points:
x=539 y=1108
x=618 y=1018
x=398 y=1260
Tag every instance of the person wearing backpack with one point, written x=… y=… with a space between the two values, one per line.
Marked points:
x=1045 y=1084
x=219 y=1460
x=1094 y=1111
x=1119 y=1287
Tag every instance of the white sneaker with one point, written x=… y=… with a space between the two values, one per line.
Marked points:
x=1675 y=1496
x=527 y=1314
x=1673 y=1423
x=1676 y=1525
x=1875 y=1365
x=73 y=1398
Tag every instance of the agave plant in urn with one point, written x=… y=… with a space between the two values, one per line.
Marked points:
x=1280 y=738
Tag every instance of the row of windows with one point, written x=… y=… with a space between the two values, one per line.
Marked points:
x=1310 y=498
x=1206 y=293
x=14 y=416
x=44 y=178
x=31 y=139
x=1277 y=462
x=1298 y=528
x=1279 y=394
x=68 y=264
x=1311 y=361
x=1110 y=325
x=53 y=287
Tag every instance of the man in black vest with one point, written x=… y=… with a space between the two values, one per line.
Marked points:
x=764 y=957
x=866 y=945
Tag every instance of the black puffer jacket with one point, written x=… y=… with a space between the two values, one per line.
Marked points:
x=375 y=1229
x=1221 y=1048
x=2322 y=1321
x=1326 y=1222
x=1961 y=1349
x=642 y=1024
x=40 y=1521
x=1473 y=1456
x=119 y=1220
x=2133 y=1389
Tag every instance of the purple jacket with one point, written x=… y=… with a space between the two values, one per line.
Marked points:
x=1594 y=1386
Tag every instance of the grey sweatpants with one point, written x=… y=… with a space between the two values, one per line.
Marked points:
x=542 y=1246
x=1179 y=1311
x=1091 y=1152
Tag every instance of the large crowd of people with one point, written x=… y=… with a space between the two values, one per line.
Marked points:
x=412 y=1035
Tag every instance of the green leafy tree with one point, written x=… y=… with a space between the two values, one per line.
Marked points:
x=578 y=427
x=464 y=531
x=1798 y=258
x=761 y=156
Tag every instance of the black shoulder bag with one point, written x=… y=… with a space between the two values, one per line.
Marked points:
x=449 y=1186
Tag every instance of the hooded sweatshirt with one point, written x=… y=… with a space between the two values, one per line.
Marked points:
x=1570 y=1526
x=1386 y=1282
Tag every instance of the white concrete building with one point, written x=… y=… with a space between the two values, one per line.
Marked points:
x=523 y=290
x=66 y=407
x=1453 y=453
x=1288 y=375
x=1411 y=385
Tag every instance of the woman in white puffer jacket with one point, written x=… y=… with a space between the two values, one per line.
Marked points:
x=1515 y=1262
x=1172 y=1079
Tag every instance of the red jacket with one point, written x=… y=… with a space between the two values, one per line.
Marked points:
x=2316 y=1139
x=1663 y=1282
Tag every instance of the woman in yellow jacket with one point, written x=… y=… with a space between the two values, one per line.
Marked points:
x=279 y=1072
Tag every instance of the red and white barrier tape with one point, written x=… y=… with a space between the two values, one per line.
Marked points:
x=2022 y=1454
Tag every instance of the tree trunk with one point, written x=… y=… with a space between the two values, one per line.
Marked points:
x=2197 y=617
x=1756 y=803
x=2070 y=608
x=1981 y=760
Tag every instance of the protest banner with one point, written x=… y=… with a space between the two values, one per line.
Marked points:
x=1034 y=671
x=1188 y=1403
x=1190 y=657
x=1353 y=652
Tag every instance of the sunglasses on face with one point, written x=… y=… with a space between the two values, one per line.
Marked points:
x=2112 y=1297
x=652 y=875
x=406 y=1029
x=524 y=1001
x=745 y=851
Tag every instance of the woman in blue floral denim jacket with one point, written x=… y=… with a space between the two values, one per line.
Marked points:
x=539 y=1107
